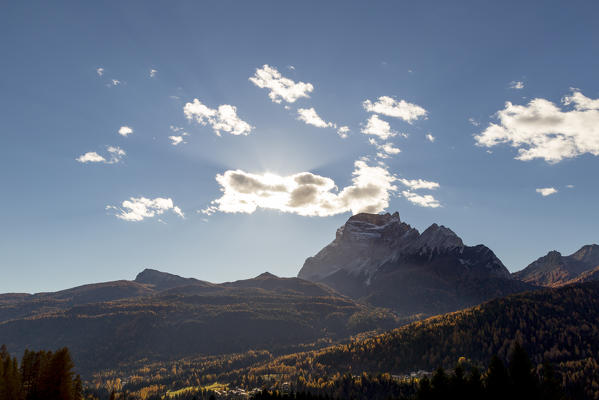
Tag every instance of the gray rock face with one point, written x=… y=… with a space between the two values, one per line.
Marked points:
x=368 y=241
x=386 y=262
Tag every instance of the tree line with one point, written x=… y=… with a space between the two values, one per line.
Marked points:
x=41 y=375
x=516 y=380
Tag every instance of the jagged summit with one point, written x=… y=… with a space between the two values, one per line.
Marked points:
x=367 y=241
x=381 y=258
x=375 y=219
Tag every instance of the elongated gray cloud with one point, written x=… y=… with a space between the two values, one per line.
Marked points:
x=304 y=193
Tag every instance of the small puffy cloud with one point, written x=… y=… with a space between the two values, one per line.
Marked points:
x=281 y=88
x=421 y=200
x=343 y=131
x=115 y=82
x=304 y=193
x=140 y=208
x=179 y=137
x=390 y=107
x=419 y=184
x=473 y=121
x=546 y=191
x=115 y=155
x=543 y=130
x=516 y=85
x=310 y=117
x=378 y=127
x=385 y=149
x=176 y=140
x=100 y=71
x=430 y=137
x=91 y=157
x=125 y=131
x=223 y=119
x=153 y=73
x=570 y=186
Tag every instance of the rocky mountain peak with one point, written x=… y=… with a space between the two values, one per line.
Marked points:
x=439 y=238
x=366 y=242
x=266 y=275
x=384 y=261
x=588 y=254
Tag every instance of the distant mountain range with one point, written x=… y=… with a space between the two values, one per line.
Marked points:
x=380 y=260
x=163 y=316
x=554 y=270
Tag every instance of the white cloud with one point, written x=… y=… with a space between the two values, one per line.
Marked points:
x=139 y=208
x=90 y=156
x=115 y=155
x=342 y=131
x=175 y=140
x=180 y=137
x=281 y=88
x=100 y=71
x=580 y=101
x=310 y=117
x=115 y=82
x=392 y=108
x=153 y=73
x=543 y=130
x=570 y=186
x=419 y=184
x=378 y=127
x=385 y=149
x=421 y=200
x=125 y=131
x=516 y=85
x=473 y=122
x=223 y=119
x=546 y=191
x=304 y=193
x=430 y=137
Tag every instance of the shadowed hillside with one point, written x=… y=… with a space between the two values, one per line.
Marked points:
x=194 y=318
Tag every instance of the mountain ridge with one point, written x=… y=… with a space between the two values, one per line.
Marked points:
x=555 y=269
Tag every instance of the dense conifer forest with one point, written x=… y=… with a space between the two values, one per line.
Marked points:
x=555 y=326
x=41 y=375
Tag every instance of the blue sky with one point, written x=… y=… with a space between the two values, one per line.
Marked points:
x=82 y=203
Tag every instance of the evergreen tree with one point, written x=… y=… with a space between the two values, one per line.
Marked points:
x=523 y=381
x=497 y=380
x=425 y=391
x=440 y=383
x=550 y=384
